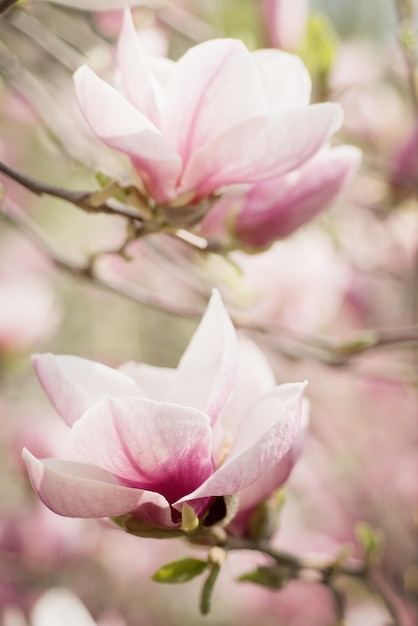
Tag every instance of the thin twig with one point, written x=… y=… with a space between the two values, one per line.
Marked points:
x=325 y=350
x=405 y=10
x=81 y=199
x=328 y=570
x=16 y=217
x=6 y=4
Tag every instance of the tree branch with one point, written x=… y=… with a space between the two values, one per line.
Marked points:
x=6 y=4
x=82 y=199
x=324 y=349
x=326 y=571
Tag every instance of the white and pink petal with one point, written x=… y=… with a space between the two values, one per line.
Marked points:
x=122 y=127
x=155 y=381
x=286 y=81
x=261 y=148
x=137 y=80
x=214 y=85
x=206 y=372
x=266 y=435
x=74 y=384
x=79 y=490
x=149 y=445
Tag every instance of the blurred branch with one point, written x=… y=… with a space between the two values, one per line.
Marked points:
x=182 y=21
x=409 y=43
x=323 y=349
x=18 y=218
x=325 y=571
x=85 y=200
x=6 y=4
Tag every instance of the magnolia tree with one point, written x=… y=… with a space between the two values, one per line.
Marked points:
x=187 y=179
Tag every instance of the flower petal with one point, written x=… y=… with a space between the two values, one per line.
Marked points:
x=137 y=79
x=60 y=606
x=74 y=384
x=150 y=445
x=286 y=80
x=267 y=484
x=78 y=490
x=266 y=435
x=254 y=378
x=206 y=372
x=114 y=120
x=155 y=381
x=261 y=148
x=214 y=85
x=275 y=208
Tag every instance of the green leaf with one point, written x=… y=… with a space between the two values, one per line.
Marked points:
x=180 y=571
x=102 y=179
x=271 y=577
x=371 y=539
x=319 y=48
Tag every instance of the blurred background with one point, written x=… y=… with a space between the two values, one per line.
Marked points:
x=352 y=269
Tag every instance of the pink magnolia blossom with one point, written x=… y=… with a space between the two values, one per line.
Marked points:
x=405 y=166
x=275 y=208
x=155 y=438
x=219 y=116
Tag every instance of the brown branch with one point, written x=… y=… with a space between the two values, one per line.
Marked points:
x=6 y=4
x=408 y=42
x=326 y=571
x=81 y=199
x=325 y=350
x=18 y=218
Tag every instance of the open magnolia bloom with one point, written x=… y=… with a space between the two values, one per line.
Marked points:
x=154 y=439
x=219 y=116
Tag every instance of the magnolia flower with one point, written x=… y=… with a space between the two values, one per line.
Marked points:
x=155 y=438
x=219 y=116
x=405 y=166
x=273 y=209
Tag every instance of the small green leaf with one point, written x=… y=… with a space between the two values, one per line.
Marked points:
x=180 y=571
x=319 y=48
x=271 y=577
x=102 y=179
x=371 y=539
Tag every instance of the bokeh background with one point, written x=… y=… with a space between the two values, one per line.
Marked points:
x=355 y=267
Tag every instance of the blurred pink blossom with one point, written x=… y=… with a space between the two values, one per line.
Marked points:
x=405 y=166
x=219 y=116
x=281 y=284
x=286 y=22
x=28 y=310
x=20 y=329
x=152 y=438
x=60 y=606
